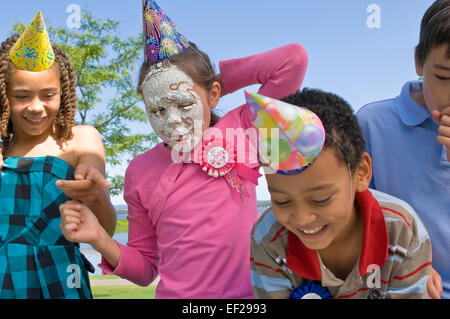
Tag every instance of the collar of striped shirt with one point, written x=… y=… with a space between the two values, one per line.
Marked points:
x=305 y=262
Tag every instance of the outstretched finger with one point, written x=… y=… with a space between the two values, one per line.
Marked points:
x=71 y=185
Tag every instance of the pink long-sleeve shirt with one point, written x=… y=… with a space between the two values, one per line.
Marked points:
x=190 y=228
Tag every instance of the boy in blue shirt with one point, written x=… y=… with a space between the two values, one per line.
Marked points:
x=408 y=139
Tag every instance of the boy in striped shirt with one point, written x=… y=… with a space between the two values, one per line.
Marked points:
x=327 y=235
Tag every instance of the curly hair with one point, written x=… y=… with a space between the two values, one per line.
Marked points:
x=65 y=118
x=340 y=123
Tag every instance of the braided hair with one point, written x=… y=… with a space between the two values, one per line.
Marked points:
x=65 y=118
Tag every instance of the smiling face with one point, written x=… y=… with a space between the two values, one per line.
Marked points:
x=436 y=79
x=178 y=109
x=35 y=99
x=317 y=205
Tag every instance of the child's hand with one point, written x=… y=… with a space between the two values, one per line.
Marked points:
x=434 y=285
x=443 y=119
x=87 y=185
x=78 y=223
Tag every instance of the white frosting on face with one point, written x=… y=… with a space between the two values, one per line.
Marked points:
x=174 y=109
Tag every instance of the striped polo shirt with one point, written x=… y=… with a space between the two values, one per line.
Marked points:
x=395 y=259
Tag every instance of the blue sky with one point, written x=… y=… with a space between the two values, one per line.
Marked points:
x=346 y=56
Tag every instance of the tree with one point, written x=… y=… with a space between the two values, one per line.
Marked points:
x=105 y=66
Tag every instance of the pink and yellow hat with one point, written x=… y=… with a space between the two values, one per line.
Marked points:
x=162 y=37
x=33 y=51
x=290 y=137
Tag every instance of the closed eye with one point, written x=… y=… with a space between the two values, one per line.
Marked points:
x=443 y=78
x=284 y=203
x=186 y=106
x=157 y=111
x=322 y=201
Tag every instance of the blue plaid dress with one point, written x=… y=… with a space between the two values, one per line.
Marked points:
x=36 y=261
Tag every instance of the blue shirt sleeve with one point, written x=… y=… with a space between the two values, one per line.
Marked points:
x=362 y=120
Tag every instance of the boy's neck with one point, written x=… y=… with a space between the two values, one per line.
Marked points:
x=343 y=254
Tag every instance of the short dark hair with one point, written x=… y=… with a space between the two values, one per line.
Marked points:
x=434 y=30
x=340 y=123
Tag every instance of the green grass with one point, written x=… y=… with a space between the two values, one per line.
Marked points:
x=122 y=226
x=103 y=277
x=120 y=292
x=123 y=292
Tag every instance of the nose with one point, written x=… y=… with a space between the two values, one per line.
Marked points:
x=173 y=117
x=36 y=105
x=303 y=217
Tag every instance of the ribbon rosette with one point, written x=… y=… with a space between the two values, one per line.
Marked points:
x=218 y=157
x=310 y=291
x=219 y=160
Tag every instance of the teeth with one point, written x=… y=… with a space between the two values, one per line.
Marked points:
x=312 y=231
x=33 y=120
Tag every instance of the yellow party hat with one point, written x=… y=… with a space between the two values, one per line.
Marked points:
x=33 y=51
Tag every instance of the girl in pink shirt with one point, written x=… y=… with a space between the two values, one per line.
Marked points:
x=191 y=228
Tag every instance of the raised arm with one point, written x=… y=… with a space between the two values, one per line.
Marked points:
x=279 y=71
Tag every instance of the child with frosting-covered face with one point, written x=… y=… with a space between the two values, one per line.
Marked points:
x=190 y=220
x=178 y=110
x=327 y=235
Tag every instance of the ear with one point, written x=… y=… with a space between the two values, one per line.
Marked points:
x=214 y=95
x=419 y=67
x=363 y=173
